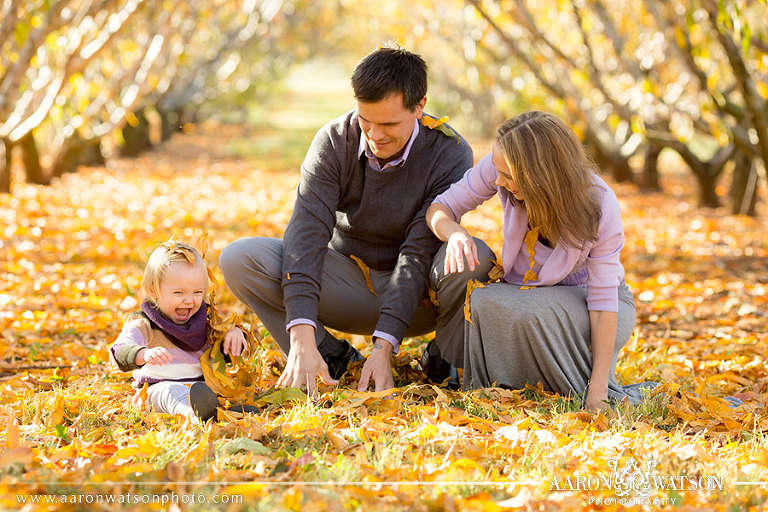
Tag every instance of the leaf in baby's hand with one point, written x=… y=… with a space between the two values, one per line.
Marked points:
x=366 y=272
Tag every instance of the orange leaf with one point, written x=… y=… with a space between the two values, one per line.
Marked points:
x=433 y=122
x=497 y=271
x=366 y=272
x=471 y=286
x=12 y=439
x=530 y=243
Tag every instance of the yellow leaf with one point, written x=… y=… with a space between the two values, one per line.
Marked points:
x=497 y=271
x=433 y=122
x=439 y=124
x=196 y=454
x=22 y=454
x=471 y=286
x=433 y=297
x=203 y=243
x=283 y=395
x=366 y=272
x=530 y=243
x=235 y=383
x=12 y=439
x=57 y=415
x=143 y=396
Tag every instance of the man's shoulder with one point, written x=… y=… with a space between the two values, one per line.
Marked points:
x=342 y=125
x=441 y=139
x=439 y=131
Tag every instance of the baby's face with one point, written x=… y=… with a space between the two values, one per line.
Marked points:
x=182 y=290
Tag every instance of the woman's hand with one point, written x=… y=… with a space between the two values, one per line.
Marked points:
x=234 y=342
x=460 y=245
x=596 y=400
x=603 y=332
x=155 y=355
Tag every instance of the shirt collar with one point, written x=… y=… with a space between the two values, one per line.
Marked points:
x=364 y=149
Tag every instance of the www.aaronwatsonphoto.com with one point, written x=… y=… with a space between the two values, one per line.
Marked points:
x=130 y=499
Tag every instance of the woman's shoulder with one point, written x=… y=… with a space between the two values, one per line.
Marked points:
x=604 y=193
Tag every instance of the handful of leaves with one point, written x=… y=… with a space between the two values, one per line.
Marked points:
x=236 y=382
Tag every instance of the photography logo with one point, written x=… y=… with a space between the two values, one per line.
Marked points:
x=634 y=485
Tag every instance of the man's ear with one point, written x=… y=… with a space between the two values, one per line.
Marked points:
x=419 y=108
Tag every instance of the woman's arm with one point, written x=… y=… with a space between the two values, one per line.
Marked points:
x=460 y=242
x=603 y=325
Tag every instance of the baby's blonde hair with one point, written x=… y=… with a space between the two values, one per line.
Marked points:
x=163 y=255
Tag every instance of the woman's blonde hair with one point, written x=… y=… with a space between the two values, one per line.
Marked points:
x=554 y=175
x=163 y=255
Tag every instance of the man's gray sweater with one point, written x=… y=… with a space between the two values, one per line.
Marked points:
x=377 y=216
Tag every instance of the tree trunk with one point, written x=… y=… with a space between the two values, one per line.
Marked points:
x=136 y=136
x=170 y=122
x=76 y=152
x=707 y=181
x=650 y=178
x=5 y=166
x=613 y=163
x=31 y=159
x=744 y=186
x=92 y=154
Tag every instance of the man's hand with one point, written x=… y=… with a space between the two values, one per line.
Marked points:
x=304 y=362
x=156 y=356
x=378 y=367
x=234 y=342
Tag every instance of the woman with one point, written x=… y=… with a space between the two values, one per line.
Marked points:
x=563 y=311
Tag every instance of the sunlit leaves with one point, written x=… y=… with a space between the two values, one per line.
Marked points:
x=71 y=254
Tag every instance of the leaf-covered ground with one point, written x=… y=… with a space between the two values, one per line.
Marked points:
x=71 y=258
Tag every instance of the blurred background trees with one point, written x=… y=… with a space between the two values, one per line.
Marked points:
x=636 y=79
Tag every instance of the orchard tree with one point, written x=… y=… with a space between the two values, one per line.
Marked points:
x=636 y=78
x=72 y=72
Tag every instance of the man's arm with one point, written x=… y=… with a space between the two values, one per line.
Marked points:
x=409 y=280
x=305 y=246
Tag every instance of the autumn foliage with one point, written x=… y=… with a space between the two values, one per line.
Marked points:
x=72 y=256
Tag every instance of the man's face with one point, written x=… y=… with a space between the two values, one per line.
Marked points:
x=387 y=125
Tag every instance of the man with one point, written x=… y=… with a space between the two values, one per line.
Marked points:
x=366 y=183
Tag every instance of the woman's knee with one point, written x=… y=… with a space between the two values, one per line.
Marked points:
x=502 y=300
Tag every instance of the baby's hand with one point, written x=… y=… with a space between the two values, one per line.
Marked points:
x=234 y=342
x=156 y=355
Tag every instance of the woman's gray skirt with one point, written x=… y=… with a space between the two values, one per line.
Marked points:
x=542 y=334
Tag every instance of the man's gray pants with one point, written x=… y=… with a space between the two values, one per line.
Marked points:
x=252 y=269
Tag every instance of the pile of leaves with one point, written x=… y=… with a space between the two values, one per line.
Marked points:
x=71 y=259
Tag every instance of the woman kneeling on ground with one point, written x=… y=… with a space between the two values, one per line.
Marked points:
x=563 y=311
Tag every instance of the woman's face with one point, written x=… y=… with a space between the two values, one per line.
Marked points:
x=503 y=174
